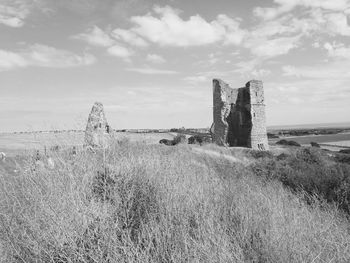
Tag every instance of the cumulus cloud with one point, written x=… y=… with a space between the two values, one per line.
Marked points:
x=233 y=33
x=318 y=16
x=129 y=37
x=267 y=13
x=272 y=47
x=42 y=56
x=13 y=13
x=165 y=27
x=96 y=37
x=337 y=23
x=284 y=6
x=120 y=51
x=337 y=50
x=278 y=34
x=154 y=58
x=10 y=60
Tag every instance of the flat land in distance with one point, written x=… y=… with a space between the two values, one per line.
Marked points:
x=12 y=143
x=341 y=139
x=310 y=126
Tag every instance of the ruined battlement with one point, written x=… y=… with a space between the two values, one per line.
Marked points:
x=239 y=115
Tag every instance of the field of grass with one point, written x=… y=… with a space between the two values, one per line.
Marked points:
x=150 y=203
x=13 y=144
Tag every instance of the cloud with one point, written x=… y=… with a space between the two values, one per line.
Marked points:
x=152 y=71
x=251 y=68
x=154 y=58
x=284 y=6
x=120 y=51
x=165 y=27
x=259 y=73
x=96 y=37
x=194 y=80
x=284 y=26
x=233 y=33
x=337 y=70
x=45 y=56
x=337 y=50
x=11 y=21
x=270 y=12
x=10 y=60
x=309 y=92
x=317 y=16
x=272 y=47
x=42 y=56
x=337 y=23
x=129 y=37
x=13 y=13
x=247 y=66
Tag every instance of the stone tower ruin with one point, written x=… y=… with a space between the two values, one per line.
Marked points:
x=239 y=115
x=97 y=130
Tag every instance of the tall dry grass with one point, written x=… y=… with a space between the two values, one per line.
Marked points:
x=144 y=203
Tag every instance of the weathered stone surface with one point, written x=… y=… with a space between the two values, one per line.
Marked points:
x=239 y=115
x=97 y=131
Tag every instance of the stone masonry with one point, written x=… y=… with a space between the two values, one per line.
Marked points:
x=97 y=130
x=239 y=115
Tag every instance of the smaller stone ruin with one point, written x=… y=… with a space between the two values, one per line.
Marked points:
x=97 y=131
x=239 y=115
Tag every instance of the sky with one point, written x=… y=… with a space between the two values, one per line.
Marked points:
x=151 y=62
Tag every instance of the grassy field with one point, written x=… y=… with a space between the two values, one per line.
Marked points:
x=13 y=144
x=136 y=202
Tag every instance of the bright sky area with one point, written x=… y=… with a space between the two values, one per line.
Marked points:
x=151 y=62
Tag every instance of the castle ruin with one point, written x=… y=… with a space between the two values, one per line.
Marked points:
x=97 y=130
x=239 y=115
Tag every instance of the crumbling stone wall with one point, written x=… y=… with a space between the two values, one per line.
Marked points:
x=239 y=115
x=258 y=134
x=97 y=129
